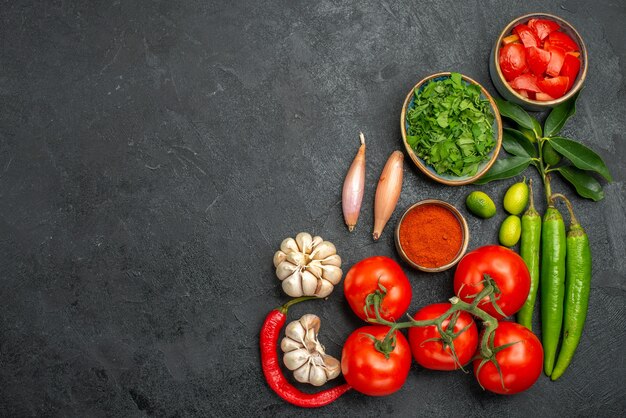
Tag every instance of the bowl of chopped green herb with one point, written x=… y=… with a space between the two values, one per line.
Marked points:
x=451 y=128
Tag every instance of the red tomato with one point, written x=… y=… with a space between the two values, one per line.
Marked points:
x=367 y=370
x=543 y=27
x=366 y=276
x=537 y=60
x=520 y=363
x=527 y=36
x=512 y=60
x=505 y=267
x=562 y=40
x=570 y=68
x=431 y=354
x=526 y=81
x=555 y=86
x=557 y=56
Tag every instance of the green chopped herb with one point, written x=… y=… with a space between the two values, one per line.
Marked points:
x=451 y=126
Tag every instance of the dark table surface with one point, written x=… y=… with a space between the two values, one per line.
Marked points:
x=154 y=154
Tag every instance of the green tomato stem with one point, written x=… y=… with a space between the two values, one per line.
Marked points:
x=491 y=323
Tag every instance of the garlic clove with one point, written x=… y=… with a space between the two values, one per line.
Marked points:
x=287 y=344
x=325 y=289
x=309 y=283
x=295 y=359
x=302 y=374
x=332 y=274
x=285 y=269
x=311 y=322
x=295 y=331
x=325 y=249
x=317 y=376
x=304 y=241
x=292 y=285
x=311 y=343
x=296 y=258
x=332 y=366
x=279 y=257
x=289 y=245
x=333 y=260
x=317 y=240
x=315 y=268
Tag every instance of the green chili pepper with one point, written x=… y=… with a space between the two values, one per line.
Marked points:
x=552 y=283
x=577 y=284
x=529 y=250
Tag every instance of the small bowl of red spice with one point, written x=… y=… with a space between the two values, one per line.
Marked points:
x=432 y=235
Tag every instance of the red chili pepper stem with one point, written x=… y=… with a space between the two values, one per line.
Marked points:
x=284 y=308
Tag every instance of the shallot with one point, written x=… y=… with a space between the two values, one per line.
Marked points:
x=353 y=187
x=387 y=192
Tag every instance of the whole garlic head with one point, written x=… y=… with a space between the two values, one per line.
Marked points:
x=305 y=355
x=307 y=266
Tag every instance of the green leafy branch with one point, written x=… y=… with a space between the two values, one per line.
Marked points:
x=550 y=153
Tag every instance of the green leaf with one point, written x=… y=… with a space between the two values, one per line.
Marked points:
x=585 y=185
x=516 y=143
x=559 y=115
x=581 y=156
x=515 y=113
x=505 y=168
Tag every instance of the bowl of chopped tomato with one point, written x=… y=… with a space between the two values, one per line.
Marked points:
x=538 y=61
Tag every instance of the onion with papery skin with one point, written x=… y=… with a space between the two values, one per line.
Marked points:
x=387 y=192
x=353 y=187
x=307 y=266
x=305 y=355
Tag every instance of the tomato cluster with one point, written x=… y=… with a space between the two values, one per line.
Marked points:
x=516 y=350
x=539 y=61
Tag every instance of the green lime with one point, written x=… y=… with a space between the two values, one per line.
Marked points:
x=550 y=156
x=480 y=204
x=510 y=231
x=516 y=198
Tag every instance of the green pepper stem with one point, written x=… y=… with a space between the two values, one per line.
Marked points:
x=570 y=208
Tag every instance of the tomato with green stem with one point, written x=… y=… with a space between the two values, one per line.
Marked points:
x=378 y=277
x=501 y=267
x=448 y=348
x=372 y=369
x=516 y=363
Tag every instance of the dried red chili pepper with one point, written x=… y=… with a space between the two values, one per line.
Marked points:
x=270 y=332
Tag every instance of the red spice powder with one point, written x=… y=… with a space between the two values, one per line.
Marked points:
x=430 y=235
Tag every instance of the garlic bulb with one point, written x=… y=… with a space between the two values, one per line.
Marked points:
x=304 y=354
x=307 y=266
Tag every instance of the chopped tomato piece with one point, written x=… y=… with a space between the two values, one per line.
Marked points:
x=570 y=68
x=522 y=93
x=512 y=60
x=557 y=56
x=562 y=40
x=527 y=36
x=543 y=97
x=510 y=39
x=526 y=81
x=537 y=60
x=554 y=87
x=543 y=27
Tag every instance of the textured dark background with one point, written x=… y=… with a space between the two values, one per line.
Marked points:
x=153 y=155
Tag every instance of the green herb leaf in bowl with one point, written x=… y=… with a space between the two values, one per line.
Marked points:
x=450 y=126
